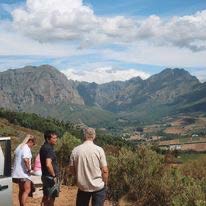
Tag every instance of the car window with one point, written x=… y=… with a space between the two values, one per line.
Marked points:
x=5 y=158
x=2 y=161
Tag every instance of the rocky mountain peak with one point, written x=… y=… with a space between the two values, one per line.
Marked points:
x=174 y=74
x=31 y=85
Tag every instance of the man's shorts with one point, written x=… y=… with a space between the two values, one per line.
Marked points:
x=50 y=188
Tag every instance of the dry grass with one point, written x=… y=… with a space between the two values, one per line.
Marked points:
x=67 y=197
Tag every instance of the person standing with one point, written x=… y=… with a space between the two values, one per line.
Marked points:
x=89 y=166
x=49 y=168
x=22 y=168
x=37 y=166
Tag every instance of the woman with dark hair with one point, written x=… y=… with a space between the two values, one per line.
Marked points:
x=22 y=168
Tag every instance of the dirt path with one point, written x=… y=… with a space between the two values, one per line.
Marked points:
x=66 y=198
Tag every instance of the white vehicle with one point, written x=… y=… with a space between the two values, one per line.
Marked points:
x=5 y=172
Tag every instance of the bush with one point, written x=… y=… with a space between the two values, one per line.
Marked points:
x=64 y=148
x=180 y=190
x=139 y=171
x=195 y=168
x=145 y=180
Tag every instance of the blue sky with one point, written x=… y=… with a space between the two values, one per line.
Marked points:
x=100 y=41
x=146 y=7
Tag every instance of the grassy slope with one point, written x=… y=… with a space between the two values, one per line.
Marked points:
x=190 y=156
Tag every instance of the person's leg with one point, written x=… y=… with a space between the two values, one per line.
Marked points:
x=43 y=200
x=47 y=201
x=45 y=185
x=98 y=197
x=27 y=189
x=21 y=190
x=83 y=198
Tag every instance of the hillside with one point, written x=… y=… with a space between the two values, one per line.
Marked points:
x=18 y=133
x=46 y=91
x=153 y=177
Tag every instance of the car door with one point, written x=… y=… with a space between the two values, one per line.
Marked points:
x=5 y=172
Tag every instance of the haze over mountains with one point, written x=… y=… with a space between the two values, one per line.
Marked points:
x=46 y=91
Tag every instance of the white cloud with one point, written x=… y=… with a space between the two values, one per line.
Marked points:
x=14 y=43
x=54 y=19
x=145 y=53
x=201 y=76
x=104 y=74
x=72 y=20
x=187 y=31
x=199 y=73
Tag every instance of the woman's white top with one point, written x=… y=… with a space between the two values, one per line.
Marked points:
x=20 y=170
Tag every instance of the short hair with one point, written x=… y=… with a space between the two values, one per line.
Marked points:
x=89 y=133
x=48 y=134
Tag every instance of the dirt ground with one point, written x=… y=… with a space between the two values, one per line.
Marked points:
x=67 y=197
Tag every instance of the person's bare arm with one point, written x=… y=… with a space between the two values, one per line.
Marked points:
x=27 y=164
x=105 y=174
x=50 y=167
x=72 y=170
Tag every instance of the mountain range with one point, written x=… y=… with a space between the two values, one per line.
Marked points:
x=46 y=91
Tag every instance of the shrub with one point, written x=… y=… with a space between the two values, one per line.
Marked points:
x=195 y=168
x=145 y=180
x=135 y=174
x=64 y=148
